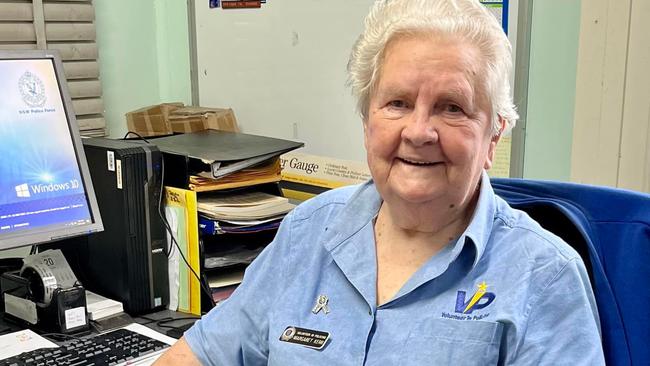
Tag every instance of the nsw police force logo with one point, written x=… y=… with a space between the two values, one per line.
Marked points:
x=32 y=90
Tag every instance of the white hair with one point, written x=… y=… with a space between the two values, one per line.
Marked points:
x=467 y=20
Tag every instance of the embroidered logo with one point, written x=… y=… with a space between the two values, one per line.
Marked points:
x=481 y=299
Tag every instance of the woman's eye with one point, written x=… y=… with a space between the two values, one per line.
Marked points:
x=397 y=104
x=452 y=108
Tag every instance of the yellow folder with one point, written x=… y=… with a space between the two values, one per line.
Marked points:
x=183 y=203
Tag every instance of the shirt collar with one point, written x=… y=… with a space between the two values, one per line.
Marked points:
x=350 y=240
x=361 y=208
x=480 y=227
x=364 y=205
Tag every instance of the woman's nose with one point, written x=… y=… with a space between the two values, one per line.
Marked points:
x=421 y=129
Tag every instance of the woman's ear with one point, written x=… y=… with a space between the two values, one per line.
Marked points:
x=489 y=159
x=365 y=133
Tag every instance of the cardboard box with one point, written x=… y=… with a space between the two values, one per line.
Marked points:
x=169 y=118
x=152 y=120
x=191 y=119
x=187 y=124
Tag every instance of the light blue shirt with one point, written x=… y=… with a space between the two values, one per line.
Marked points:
x=506 y=292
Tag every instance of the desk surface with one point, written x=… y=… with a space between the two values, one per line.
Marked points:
x=160 y=321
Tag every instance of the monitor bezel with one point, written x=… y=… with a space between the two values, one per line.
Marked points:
x=45 y=234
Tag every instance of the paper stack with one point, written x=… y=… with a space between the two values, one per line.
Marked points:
x=224 y=284
x=245 y=206
x=266 y=172
x=99 y=307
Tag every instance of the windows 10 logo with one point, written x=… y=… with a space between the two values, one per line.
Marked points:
x=22 y=191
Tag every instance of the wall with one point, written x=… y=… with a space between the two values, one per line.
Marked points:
x=143 y=55
x=173 y=51
x=612 y=118
x=551 y=89
x=282 y=69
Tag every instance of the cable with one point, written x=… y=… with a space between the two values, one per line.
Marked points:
x=168 y=251
x=205 y=289
x=137 y=134
x=164 y=321
x=58 y=336
x=148 y=320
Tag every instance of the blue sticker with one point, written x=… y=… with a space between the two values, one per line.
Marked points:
x=215 y=4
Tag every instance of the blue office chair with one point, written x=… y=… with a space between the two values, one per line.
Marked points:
x=610 y=229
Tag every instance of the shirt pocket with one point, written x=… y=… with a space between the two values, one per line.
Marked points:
x=453 y=342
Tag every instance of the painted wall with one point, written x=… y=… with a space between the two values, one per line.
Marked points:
x=552 y=86
x=143 y=56
x=611 y=143
x=282 y=68
x=172 y=42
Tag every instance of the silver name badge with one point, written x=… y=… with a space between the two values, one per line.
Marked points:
x=305 y=337
x=321 y=304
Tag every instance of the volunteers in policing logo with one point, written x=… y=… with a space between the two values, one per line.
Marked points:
x=474 y=303
x=465 y=307
x=32 y=90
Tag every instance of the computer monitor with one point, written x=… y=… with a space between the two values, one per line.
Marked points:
x=46 y=193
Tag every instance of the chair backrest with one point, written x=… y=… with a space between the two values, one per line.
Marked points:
x=610 y=229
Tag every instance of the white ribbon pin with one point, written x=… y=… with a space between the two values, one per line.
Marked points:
x=321 y=304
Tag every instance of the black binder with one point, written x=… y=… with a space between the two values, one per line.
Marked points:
x=198 y=151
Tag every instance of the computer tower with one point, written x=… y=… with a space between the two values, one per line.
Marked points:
x=127 y=261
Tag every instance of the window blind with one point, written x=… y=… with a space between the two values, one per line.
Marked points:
x=67 y=26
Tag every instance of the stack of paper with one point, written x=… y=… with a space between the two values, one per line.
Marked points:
x=225 y=279
x=224 y=284
x=245 y=206
x=101 y=307
x=266 y=172
x=235 y=256
x=215 y=227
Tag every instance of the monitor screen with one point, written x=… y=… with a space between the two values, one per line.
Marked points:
x=45 y=189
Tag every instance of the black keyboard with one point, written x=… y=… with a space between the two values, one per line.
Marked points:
x=112 y=348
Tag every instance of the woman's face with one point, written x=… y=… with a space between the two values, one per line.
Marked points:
x=428 y=133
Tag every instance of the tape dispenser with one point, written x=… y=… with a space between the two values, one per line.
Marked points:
x=45 y=294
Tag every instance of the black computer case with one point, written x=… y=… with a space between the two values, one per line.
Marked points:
x=127 y=261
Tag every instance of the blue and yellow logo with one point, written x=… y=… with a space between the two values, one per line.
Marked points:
x=481 y=299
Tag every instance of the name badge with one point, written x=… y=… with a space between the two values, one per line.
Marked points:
x=305 y=337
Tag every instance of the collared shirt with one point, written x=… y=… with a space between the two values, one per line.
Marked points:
x=506 y=292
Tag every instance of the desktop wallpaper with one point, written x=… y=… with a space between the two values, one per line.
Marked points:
x=40 y=181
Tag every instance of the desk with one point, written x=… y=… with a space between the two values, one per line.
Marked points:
x=149 y=320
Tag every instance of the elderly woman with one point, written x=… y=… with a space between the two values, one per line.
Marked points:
x=423 y=265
